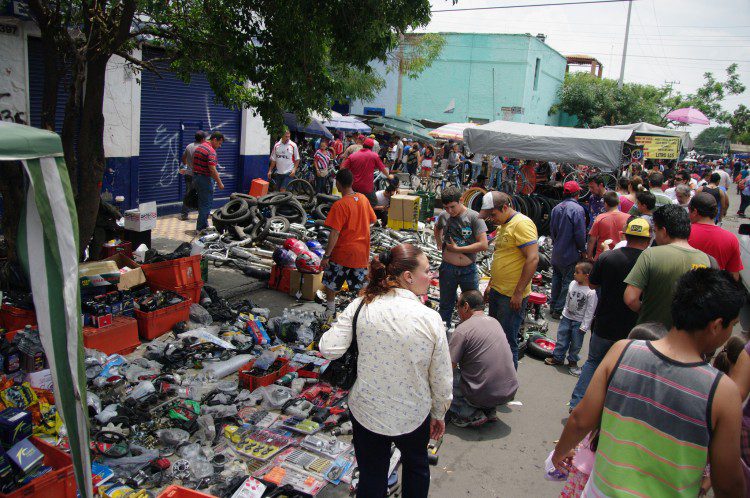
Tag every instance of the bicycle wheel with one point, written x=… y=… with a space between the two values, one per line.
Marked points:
x=526 y=180
x=582 y=179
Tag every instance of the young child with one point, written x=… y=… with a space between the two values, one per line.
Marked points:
x=576 y=319
x=648 y=331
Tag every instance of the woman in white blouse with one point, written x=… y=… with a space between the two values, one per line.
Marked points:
x=404 y=378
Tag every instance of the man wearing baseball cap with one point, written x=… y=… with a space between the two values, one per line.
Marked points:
x=357 y=145
x=612 y=318
x=362 y=164
x=568 y=231
x=513 y=264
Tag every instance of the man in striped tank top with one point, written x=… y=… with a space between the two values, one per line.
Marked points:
x=662 y=412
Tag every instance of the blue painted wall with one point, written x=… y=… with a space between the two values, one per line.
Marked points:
x=252 y=167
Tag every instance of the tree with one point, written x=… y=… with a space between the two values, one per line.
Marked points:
x=268 y=55
x=598 y=101
x=740 y=123
x=709 y=97
x=712 y=140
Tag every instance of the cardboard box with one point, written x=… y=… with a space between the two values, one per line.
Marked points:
x=404 y=208
x=98 y=274
x=131 y=274
x=141 y=219
x=305 y=285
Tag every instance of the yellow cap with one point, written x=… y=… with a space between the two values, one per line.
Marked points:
x=638 y=227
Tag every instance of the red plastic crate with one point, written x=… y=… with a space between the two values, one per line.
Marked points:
x=252 y=383
x=174 y=273
x=12 y=318
x=121 y=337
x=175 y=491
x=157 y=323
x=60 y=483
x=191 y=291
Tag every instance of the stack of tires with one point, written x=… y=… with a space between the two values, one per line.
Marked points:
x=537 y=207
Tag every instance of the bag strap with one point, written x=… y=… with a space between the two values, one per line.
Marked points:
x=354 y=325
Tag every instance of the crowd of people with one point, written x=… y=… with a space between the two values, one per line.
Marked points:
x=653 y=278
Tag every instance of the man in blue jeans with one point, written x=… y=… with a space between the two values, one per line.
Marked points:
x=513 y=265
x=568 y=230
x=204 y=176
x=461 y=234
x=612 y=318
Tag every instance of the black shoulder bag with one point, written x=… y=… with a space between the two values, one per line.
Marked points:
x=343 y=372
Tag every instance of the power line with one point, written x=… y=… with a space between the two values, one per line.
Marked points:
x=580 y=2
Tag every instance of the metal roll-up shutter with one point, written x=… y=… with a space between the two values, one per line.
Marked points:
x=36 y=86
x=171 y=112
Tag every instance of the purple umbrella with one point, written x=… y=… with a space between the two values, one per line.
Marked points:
x=688 y=115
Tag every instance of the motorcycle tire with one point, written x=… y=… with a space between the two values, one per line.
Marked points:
x=522 y=346
x=326 y=199
x=275 y=199
x=278 y=224
x=219 y=224
x=301 y=188
x=540 y=346
x=234 y=209
x=250 y=199
x=321 y=211
x=293 y=211
x=260 y=231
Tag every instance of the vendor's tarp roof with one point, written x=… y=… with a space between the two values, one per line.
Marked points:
x=601 y=147
x=648 y=128
x=451 y=131
x=739 y=148
x=402 y=127
x=313 y=127
x=48 y=243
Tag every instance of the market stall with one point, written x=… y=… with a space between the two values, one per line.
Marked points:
x=599 y=147
x=48 y=245
x=402 y=127
x=659 y=142
x=451 y=131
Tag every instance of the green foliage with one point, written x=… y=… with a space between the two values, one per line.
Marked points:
x=598 y=102
x=297 y=56
x=419 y=51
x=712 y=140
x=740 y=123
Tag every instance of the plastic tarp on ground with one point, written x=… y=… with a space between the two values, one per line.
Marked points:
x=648 y=128
x=601 y=147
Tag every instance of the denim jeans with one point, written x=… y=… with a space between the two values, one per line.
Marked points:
x=476 y=168
x=509 y=319
x=744 y=203
x=321 y=182
x=569 y=339
x=451 y=277
x=598 y=348
x=561 y=278
x=373 y=453
x=496 y=177
x=204 y=185
x=188 y=192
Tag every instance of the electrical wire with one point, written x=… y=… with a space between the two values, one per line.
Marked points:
x=580 y=2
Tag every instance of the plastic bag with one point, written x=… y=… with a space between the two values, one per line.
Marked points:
x=551 y=473
x=172 y=437
x=275 y=397
x=265 y=360
x=198 y=314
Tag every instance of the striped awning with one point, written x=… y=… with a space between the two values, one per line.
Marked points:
x=48 y=245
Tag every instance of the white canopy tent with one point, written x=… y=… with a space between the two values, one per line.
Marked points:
x=601 y=147
x=649 y=129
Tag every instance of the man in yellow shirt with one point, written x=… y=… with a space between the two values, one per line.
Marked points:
x=513 y=264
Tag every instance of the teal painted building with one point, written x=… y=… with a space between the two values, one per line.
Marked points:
x=481 y=78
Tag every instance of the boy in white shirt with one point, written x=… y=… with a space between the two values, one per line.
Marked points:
x=576 y=319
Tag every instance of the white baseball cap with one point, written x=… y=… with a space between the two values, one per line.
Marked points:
x=487 y=201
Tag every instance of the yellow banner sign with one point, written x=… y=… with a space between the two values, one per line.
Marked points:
x=659 y=147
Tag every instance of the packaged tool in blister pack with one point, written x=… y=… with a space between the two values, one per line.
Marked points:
x=262 y=445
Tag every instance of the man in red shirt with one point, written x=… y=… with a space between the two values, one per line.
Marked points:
x=607 y=226
x=347 y=254
x=362 y=165
x=205 y=175
x=711 y=239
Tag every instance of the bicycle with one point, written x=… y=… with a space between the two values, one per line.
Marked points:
x=583 y=173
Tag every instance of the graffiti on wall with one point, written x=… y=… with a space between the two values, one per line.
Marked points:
x=10 y=113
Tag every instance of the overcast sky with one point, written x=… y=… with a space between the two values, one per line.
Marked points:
x=670 y=40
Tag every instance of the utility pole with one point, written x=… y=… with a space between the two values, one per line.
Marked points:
x=625 y=47
x=399 y=89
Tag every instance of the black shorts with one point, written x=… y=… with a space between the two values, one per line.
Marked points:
x=335 y=276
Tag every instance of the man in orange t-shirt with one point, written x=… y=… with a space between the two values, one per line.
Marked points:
x=347 y=254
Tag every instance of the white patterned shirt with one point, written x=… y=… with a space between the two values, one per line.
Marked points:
x=404 y=368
